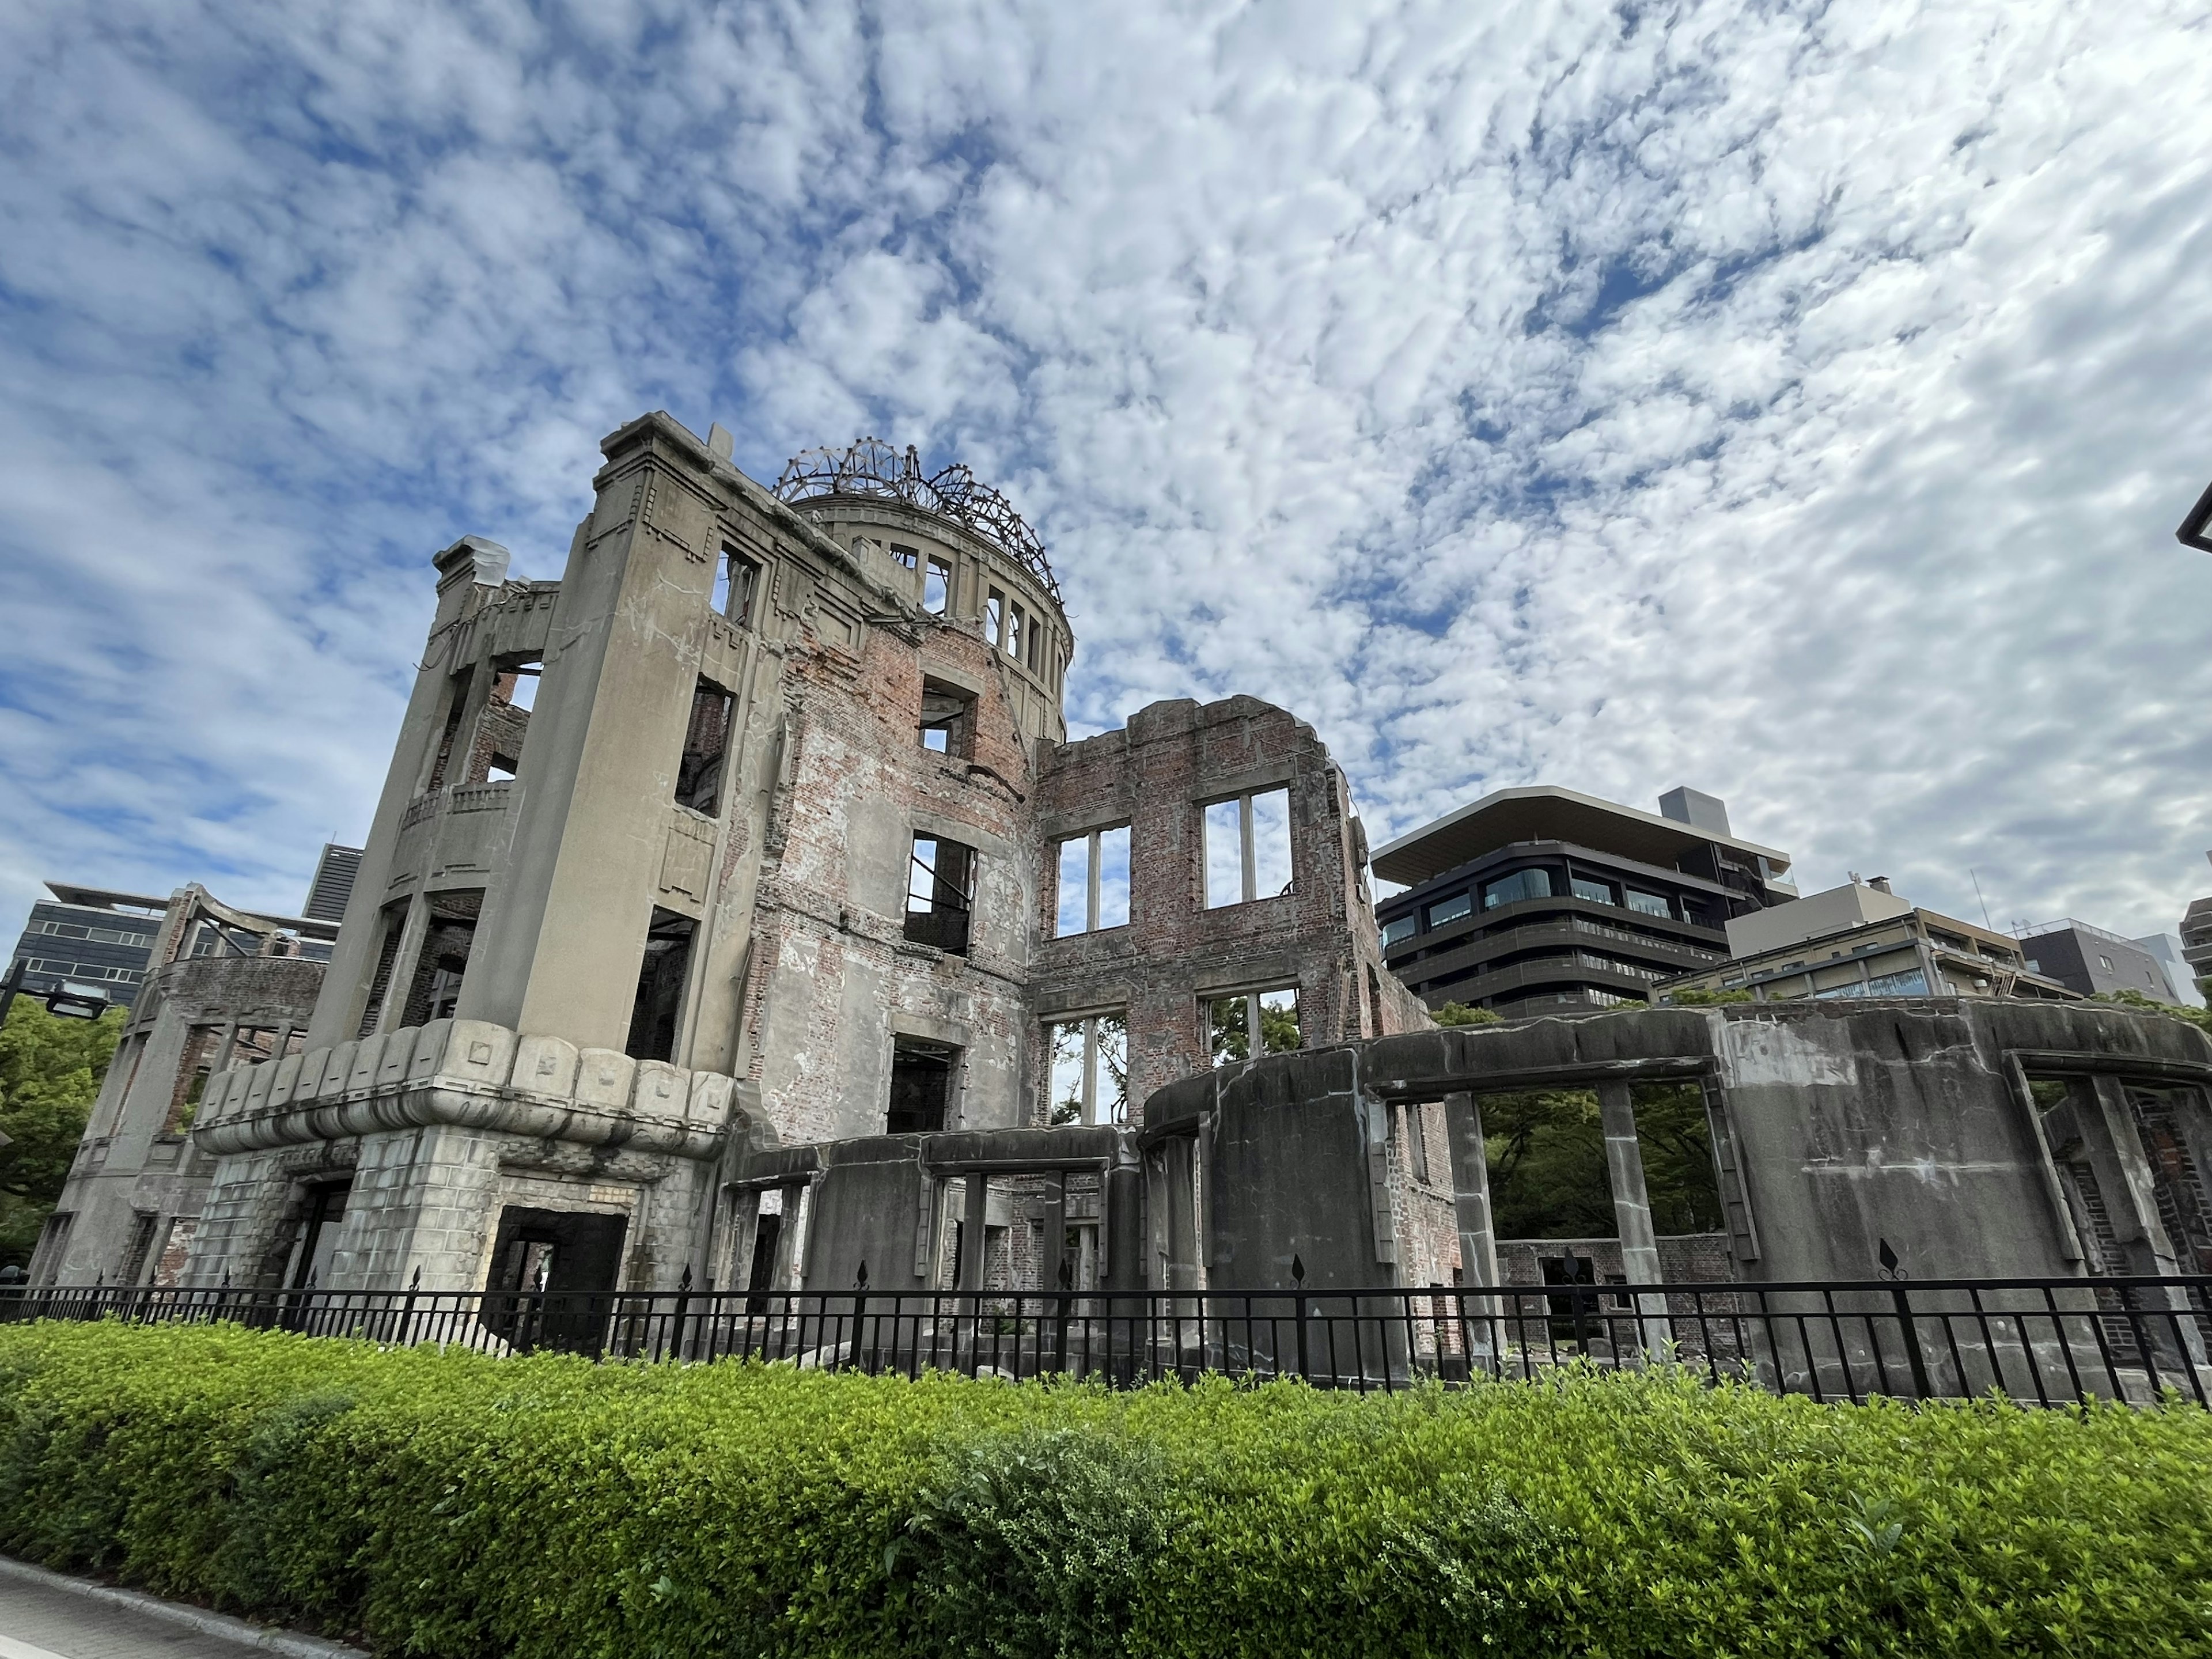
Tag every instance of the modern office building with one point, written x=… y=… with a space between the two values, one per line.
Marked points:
x=2174 y=962
x=1541 y=900
x=2196 y=938
x=2092 y=961
x=89 y=936
x=333 y=884
x=1863 y=940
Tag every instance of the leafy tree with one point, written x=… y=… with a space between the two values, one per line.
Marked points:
x=50 y=1072
x=1279 y=1031
x=2199 y=1018
x=1458 y=1014
x=1112 y=1065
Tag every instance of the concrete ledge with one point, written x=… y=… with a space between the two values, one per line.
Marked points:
x=197 y=1620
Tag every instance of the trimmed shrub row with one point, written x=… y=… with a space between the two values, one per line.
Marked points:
x=452 y=1505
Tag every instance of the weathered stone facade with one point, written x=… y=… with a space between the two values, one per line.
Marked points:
x=769 y=860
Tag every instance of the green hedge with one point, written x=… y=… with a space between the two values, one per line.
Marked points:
x=453 y=1505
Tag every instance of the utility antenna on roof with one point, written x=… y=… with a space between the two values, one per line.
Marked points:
x=1973 y=876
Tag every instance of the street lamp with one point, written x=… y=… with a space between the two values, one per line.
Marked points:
x=2197 y=528
x=69 y=1002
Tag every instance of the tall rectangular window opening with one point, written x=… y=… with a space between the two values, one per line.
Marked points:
x=457 y=693
x=1090 y=1060
x=995 y=618
x=448 y=936
x=940 y=893
x=1247 y=848
x=705 y=744
x=1017 y=626
x=948 y=720
x=394 y=924
x=937 y=587
x=906 y=557
x=737 y=588
x=496 y=755
x=1094 y=882
x=921 y=1086
x=1032 y=645
x=658 y=1009
x=1258 y=1022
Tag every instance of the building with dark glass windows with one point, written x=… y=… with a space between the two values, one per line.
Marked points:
x=1541 y=900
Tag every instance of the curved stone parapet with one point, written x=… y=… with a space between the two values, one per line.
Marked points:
x=469 y=1074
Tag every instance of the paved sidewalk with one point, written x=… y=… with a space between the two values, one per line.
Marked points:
x=44 y=1615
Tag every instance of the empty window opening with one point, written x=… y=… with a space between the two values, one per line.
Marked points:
x=388 y=959
x=1033 y=640
x=449 y=932
x=658 y=1008
x=706 y=745
x=503 y=724
x=1247 y=848
x=948 y=720
x=1094 y=882
x=921 y=1086
x=737 y=591
x=937 y=587
x=1548 y=1176
x=457 y=694
x=1089 y=1061
x=995 y=618
x=1374 y=1003
x=906 y=556
x=322 y=1209
x=202 y=1043
x=136 y=1248
x=940 y=893
x=760 y=1277
x=1414 y=1133
x=553 y=1273
x=1258 y=1022
x=1017 y=627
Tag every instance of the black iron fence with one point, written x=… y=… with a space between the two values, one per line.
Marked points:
x=2041 y=1341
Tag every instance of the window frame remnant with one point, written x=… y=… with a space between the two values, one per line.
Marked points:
x=700 y=769
x=940 y=892
x=1101 y=1055
x=1096 y=849
x=739 y=587
x=1247 y=846
x=906 y=558
x=995 y=618
x=937 y=574
x=1223 y=1028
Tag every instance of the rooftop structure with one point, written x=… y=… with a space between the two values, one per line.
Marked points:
x=1863 y=940
x=1537 y=899
x=333 y=883
x=2094 y=961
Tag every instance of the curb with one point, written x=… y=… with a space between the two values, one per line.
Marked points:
x=199 y=1619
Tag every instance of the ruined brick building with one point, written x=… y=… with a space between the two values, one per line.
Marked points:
x=736 y=909
x=759 y=830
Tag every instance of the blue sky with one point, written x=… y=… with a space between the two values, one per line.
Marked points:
x=1795 y=402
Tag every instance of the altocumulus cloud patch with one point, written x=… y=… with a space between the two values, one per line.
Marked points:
x=1792 y=402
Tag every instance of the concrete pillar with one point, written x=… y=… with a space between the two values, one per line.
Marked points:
x=1051 y=1258
x=1478 y=1243
x=972 y=1236
x=1631 y=1208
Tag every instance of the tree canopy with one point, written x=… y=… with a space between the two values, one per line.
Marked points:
x=50 y=1072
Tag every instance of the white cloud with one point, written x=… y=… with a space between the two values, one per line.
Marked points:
x=1798 y=406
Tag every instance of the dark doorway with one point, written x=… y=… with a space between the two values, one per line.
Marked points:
x=661 y=978
x=553 y=1278
x=921 y=1086
x=766 y=1236
x=319 y=1235
x=1574 y=1314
